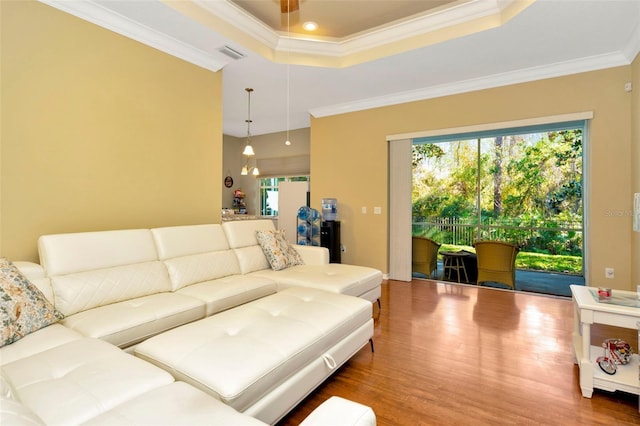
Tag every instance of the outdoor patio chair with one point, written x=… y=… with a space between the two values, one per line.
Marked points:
x=496 y=262
x=424 y=258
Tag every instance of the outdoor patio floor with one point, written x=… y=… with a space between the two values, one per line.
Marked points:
x=555 y=284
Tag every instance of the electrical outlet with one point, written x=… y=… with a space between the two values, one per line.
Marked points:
x=377 y=210
x=343 y=248
x=608 y=272
x=364 y=210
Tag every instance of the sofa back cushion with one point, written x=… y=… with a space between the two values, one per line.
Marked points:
x=197 y=268
x=36 y=275
x=63 y=254
x=251 y=259
x=91 y=269
x=194 y=254
x=90 y=289
x=241 y=235
x=177 y=241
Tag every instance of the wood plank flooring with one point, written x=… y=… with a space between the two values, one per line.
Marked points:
x=450 y=354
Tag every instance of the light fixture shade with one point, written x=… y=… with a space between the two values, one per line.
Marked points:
x=256 y=172
x=248 y=150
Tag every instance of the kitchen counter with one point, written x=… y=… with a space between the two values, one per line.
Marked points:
x=228 y=218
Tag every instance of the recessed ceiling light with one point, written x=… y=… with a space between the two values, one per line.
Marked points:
x=310 y=26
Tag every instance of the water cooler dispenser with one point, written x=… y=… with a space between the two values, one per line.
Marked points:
x=330 y=229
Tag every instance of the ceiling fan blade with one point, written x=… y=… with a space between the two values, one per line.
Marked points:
x=287 y=6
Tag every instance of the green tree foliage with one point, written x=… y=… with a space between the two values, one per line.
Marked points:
x=526 y=181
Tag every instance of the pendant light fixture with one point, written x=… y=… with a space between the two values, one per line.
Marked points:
x=248 y=149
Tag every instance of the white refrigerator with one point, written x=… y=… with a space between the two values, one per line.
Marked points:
x=291 y=196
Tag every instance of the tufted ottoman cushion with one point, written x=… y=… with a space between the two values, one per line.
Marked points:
x=340 y=411
x=243 y=354
x=78 y=380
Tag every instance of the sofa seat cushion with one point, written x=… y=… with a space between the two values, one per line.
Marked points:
x=334 y=277
x=227 y=292
x=174 y=404
x=74 y=382
x=241 y=354
x=14 y=413
x=127 y=323
x=39 y=341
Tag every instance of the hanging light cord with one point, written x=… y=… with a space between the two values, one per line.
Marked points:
x=249 y=114
x=288 y=142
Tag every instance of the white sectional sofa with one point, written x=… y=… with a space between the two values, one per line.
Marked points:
x=245 y=343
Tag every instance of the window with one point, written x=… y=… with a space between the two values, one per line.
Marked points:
x=523 y=185
x=269 y=192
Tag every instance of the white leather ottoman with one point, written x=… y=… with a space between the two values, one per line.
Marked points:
x=339 y=411
x=263 y=357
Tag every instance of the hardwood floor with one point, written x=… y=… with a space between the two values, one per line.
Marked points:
x=449 y=354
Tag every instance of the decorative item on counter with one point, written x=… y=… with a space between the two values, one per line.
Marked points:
x=616 y=352
x=239 y=205
x=604 y=293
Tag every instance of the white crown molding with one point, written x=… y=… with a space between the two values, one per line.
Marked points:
x=536 y=121
x=95 y=13
x=498 y=80
x=241 y=20
x=465 y=11
x=428 y=23
x=633 y=46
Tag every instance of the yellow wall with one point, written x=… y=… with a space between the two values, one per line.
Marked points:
x=100 y=132
x=349 y=159
x=635 y=165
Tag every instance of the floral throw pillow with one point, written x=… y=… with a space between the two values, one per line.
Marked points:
x=277 y=249
x=23 y=307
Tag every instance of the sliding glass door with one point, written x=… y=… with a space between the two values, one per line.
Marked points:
x=522 y=185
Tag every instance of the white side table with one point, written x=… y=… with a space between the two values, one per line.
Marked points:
x=589 y=311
